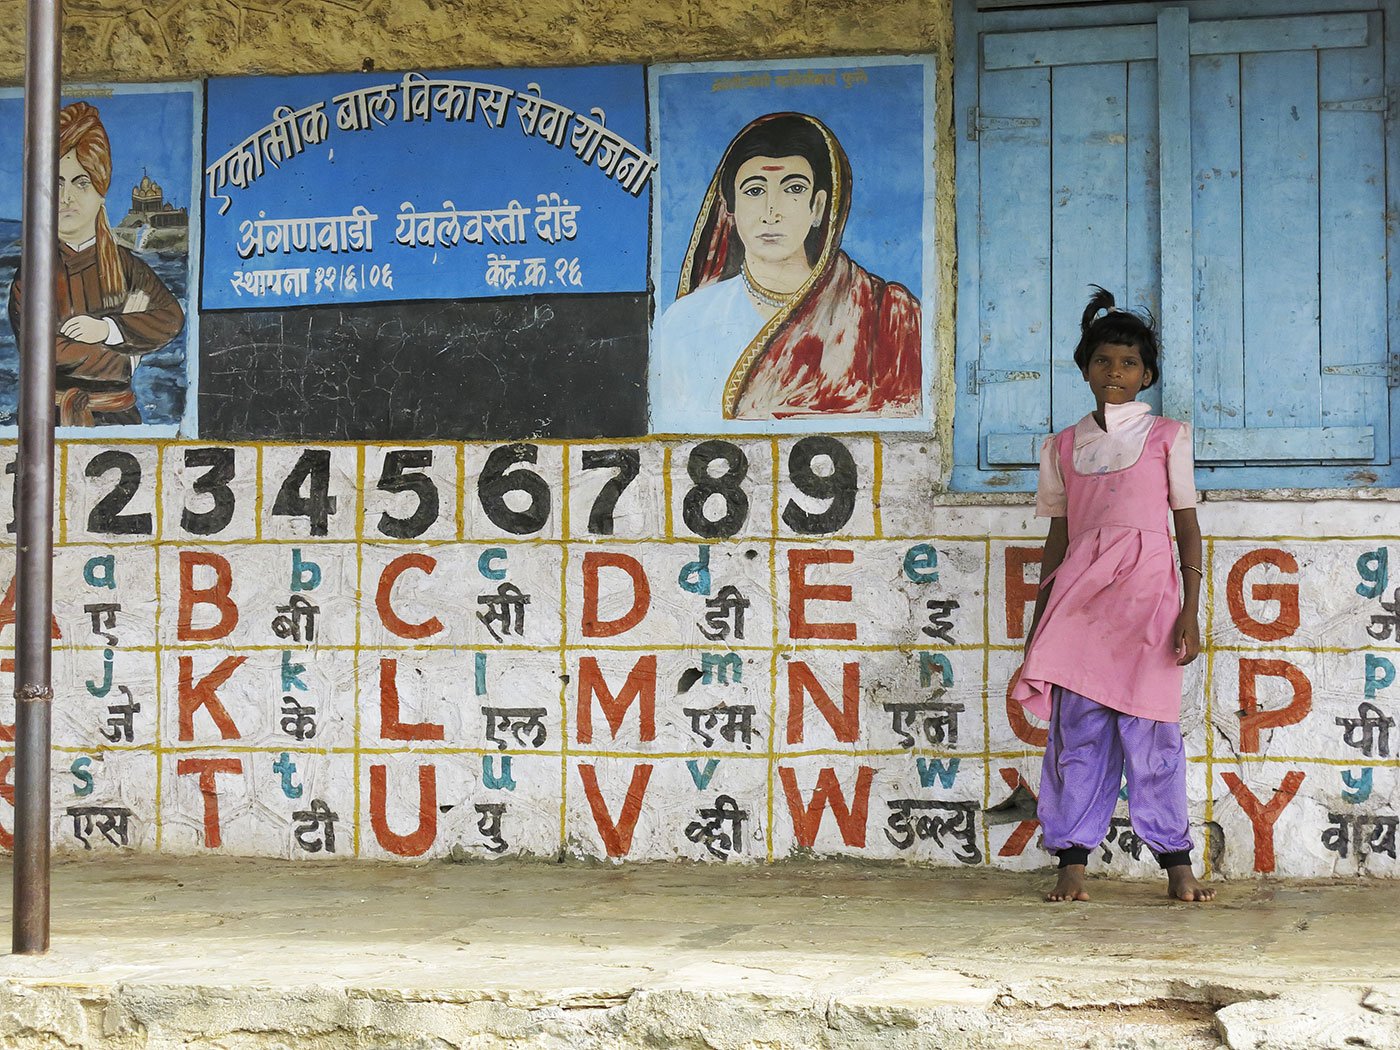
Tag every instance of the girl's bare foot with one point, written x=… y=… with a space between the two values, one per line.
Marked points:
x=1182 y=885
x=1070 y=885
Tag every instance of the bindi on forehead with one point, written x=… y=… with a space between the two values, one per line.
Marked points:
x=772 y=167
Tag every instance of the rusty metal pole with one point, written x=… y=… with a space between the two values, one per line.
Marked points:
x=34 y=479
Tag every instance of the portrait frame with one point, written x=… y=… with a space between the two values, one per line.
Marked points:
x=696 y=109
x=178 y=173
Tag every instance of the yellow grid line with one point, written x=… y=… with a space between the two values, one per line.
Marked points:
x=411 y=748
x=643 y=439
x=564 y=683
x=877 y=486
x=1210 y=721
x=258 y=497
x=461 y=498
x=159 y=697
x=545 y=541
x=772 y=662
x=357 y=665
x=564 y=677
x=986 y=704
x=1360 y=762
x=61 y=490
x=667 y=494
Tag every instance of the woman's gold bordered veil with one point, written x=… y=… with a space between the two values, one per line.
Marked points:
x=716 y=253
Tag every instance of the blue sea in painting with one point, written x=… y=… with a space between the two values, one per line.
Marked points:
x=159 y=380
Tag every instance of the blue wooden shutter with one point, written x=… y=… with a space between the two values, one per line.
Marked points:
x=1253 y=226
x=1288 y=135
x=1062 y=144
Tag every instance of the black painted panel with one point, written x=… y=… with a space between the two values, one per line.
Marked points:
x=496 y=369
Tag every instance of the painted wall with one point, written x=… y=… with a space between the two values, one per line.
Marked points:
x=402 y=649
x=255 y=660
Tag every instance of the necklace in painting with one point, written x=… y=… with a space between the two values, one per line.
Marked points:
x=774 y=299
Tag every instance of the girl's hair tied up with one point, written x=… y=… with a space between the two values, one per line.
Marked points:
x=1103 y=323
x=1102 y=302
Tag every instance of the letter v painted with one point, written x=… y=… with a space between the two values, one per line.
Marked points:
x=702 y=780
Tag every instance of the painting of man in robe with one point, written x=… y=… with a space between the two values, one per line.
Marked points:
x=123 y=264
x=778 y=322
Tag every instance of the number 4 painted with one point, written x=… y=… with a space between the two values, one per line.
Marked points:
x=312 y=473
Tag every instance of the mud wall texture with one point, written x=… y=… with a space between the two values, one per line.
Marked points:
x=184 y=39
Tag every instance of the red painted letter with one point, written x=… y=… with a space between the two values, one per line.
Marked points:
x=390 y=728
x=807 y=819
x=7 y=792
x=217 y=595
x=1286 y=594
x=617 y=836
x=204 y=694
x=641 y=683
x=1020 y=591
x=845 y=720
x=593 y=626
x=207 y=768
x=382 y=603
x=1020 y=724
x=1020 y=836
x=1264 y=817
x=800 y=592
x=7 y=666
x=416 y=843
x=7 y=611
x=1251 y=718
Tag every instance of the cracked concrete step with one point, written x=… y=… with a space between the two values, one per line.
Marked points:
x=1315 y=1018
x=157 y=953
x=164 y=1018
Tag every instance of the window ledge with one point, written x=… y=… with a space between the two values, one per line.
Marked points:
x=1375 y=495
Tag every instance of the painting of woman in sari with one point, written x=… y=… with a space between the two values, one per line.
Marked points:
x=112 y=308
x=772 y=319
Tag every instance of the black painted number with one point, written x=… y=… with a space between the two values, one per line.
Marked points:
x=627 y=463
x=312 y=473
x=219 y=470
x=726 y=485
x=498 y=478
x=403 y=472
x=839 y=486
x=106 y=516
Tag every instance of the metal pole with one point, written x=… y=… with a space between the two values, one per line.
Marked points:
x=34 y=480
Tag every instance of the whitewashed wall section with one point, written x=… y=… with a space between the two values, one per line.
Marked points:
x=726 y=651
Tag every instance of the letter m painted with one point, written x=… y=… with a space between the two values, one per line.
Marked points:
x=719 y=666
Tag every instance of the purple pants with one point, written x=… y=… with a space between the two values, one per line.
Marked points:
x=1090 y=748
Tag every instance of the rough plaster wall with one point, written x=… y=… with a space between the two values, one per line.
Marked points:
x=873 y=665
x=129 y=40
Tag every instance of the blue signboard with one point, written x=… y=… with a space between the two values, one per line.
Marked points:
x=442 y=185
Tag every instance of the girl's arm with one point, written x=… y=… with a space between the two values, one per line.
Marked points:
x=1186 y=635
x=1055 y=544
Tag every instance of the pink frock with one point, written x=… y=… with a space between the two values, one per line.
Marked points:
x=1106 y=632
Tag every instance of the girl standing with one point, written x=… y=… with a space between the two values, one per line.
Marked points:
x=1112 y=626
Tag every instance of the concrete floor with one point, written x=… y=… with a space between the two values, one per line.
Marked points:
x=166 y=952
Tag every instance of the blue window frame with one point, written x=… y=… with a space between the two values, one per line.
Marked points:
x=1223 y=164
